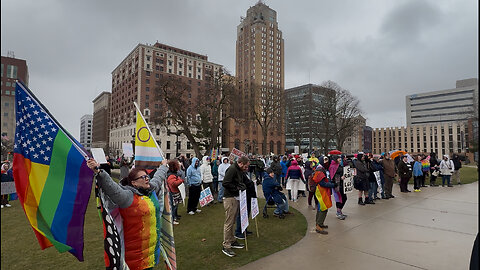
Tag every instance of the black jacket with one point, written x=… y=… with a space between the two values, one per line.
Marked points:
x=233 y=181
x=457 y=163
x=404 y=170
x=276 y=167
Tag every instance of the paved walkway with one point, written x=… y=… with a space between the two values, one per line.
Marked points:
x=432 y=229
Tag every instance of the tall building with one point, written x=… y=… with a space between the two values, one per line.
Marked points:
x=260 y=76
x=101 y=121
x=12 y=69
x=451 y=105
x=441 y=138
x=302 y=110
x=86 y=131
x=135 y=79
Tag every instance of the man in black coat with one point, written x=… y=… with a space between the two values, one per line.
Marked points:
x=457 y=164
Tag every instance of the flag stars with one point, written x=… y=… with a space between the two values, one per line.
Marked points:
x=50 y=139
x=36 y=129
x=37 y=145
x=46 y=132
x=35 y=155
x=34 y=139
x=32 y=105
x=32 y=148
x=45 y=158
x=50 y=123
x=42 y=152
x=28 y=141
x=28 y=99
x=39 y=119
x=40 y=135
x=42 y=125
x=35 y=112
x=54 y=129
x=44 y=142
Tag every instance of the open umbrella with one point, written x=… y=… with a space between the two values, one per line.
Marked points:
x=334 y=152
x=397 y=153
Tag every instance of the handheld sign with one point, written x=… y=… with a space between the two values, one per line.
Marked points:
x=243 y=210
x=348 y=181
x=255 y=209
x=205 y=197
x=99 y=155
x=127 y=149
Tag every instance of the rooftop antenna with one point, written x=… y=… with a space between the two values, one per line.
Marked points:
x=261 y=2
x=11 y=54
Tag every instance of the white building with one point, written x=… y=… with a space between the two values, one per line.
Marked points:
x=86 y=131
x=451 y=105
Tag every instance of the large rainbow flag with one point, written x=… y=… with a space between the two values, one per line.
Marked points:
x=147 y=153
x=51 y=176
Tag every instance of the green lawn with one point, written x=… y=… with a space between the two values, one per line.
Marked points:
x=198 y=240
x=467 y=175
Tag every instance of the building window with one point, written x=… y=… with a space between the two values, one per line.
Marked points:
x=11 y=71
x=168 y=144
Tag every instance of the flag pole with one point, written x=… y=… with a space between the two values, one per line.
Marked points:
x=256 y=226
x=246 y=244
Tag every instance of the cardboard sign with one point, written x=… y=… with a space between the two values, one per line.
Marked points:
x=235 y=154
x=296 y=149
x=255 y=209
x=127 y=149
x=99 y=155
x=8 y=188
x=348 y=181
x=205 y=197
x=243 y=210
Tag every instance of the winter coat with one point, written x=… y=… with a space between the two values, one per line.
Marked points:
x=294 y=171
x=389 y=167
x=417 y=169
x=272 y=188
x=404 y=169
x=173 y=181
x=233 y=181
x=284 y=168
x=194 y=176
x=206 y=171
x=362 y=171
x=309 y=175
x=457 y=163
x=222 y=169
x=447 y=167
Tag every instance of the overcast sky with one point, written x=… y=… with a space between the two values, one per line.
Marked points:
x=379 y=50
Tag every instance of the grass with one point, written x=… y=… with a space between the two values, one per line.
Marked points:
x=198 y=240
x=467 y=175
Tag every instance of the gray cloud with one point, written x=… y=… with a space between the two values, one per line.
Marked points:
x=380 y=50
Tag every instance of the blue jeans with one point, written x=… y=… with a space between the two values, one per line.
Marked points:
x=220 y=191
x=446 y=177
x=281 y=208
x=373 y=190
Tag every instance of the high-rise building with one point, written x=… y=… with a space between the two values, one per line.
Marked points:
x=451 y=105
x=135 y=79
x=101 y=121
x=302 y=114
x=356 y=142
x=260 y=76
x=86 y=131
x=12 y=69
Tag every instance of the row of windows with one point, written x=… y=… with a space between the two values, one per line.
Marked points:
x=11 y=71
x=415 y=97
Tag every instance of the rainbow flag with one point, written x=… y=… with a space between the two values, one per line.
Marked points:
x=323 y=196
x=147 y=153
x=425 y=165
x=51 y=176
x=167 y=240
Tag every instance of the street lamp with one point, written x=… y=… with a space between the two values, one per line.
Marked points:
x=133 y=143
x=176 y=133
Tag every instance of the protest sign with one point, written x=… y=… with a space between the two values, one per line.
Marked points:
x=348 y=181
x=8 y=188
x=127 y=149
x=205 y=197
x=243 y=210
x=379 y=180
x=99 y=155
x=255 y=209
x=235 y=154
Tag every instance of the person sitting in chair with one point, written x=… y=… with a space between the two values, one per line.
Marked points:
x=272 y=190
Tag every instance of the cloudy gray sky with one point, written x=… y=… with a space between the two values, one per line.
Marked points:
x=380 y=50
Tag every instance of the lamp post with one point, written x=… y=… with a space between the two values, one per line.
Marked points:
x=176 y=133
x=133 y=143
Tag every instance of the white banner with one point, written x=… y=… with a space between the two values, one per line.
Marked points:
x=348 y=181
x=8 y=188
x=379 y=180
x=243 y=210
x=255 y=209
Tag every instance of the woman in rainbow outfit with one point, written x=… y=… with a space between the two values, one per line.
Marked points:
x=323 y=198
x=140 y=208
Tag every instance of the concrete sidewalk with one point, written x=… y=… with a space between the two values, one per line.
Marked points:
x=432 y=229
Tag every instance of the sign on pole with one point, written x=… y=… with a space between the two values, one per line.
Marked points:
x=235 y=154
x=255 y=209
x=348 y=181
x=296 y=149
x=8 y=188
x=243 y=210
x=205 y=197
x=379 y=180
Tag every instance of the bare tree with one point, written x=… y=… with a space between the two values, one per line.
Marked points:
x=198 y=118
x=339 y=116
x=267 y=110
